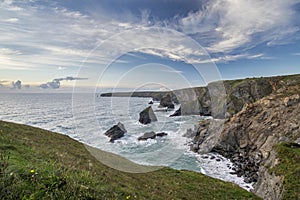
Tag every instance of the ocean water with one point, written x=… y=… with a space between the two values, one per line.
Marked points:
x=87 y=121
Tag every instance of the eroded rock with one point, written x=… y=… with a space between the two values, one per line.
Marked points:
x=176 y=113
x=166 y=101
x=151 y=135
x=116 y=132
x=147 y=116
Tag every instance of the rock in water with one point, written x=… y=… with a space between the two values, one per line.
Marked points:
x=152 y=135
x=171 y=107
x=161 y=134
x=147 y=116
x=166 y=101
x=116 y=132
x=148 y=135
x=151 y=102
x=176 y=113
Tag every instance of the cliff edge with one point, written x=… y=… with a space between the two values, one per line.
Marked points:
x=251 y=138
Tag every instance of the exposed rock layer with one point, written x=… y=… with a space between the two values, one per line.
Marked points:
x=248 y=137
x=218 y=97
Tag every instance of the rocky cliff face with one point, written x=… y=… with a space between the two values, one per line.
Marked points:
x=219 y=99
x=248 y=137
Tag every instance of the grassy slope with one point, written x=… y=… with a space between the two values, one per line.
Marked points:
x=40 y=164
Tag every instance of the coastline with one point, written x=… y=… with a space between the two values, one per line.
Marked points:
x=66 y=152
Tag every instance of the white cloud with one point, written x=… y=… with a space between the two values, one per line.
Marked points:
x=172 y=71
x=235 y=24
x=11 y=20
x=8 y=5
x=227 y=58
x=59 y=38
x=7 y=51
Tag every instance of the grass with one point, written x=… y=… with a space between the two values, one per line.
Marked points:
x=38 y=164
x=288 y=167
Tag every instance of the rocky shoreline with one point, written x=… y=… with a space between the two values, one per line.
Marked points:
x=260 y=113
x=248 y=138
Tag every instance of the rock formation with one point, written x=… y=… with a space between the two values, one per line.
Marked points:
x=116 y=132
x=198 y=100
x=176 y=113
x=249 y=136
x=259 y=113
x=166 y=101
x=151 y=135
x=147 y=116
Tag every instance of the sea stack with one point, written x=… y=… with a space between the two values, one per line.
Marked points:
x=147 y=116
x=116 y=132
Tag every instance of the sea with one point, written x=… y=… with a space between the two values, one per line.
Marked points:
x=86 y=121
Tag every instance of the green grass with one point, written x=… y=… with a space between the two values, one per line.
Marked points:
x=38 y=164
x=289 y=167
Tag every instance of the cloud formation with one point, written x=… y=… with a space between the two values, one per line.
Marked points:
x=55 y=83
x=228 y=25
x=60 y=37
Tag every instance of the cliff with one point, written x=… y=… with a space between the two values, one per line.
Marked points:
x=257 y=128
x=199 y=100
x=252 y=138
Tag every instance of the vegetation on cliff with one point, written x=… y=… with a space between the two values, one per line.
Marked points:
x=288 y=155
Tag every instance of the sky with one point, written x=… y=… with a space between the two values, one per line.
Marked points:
x=53 y=45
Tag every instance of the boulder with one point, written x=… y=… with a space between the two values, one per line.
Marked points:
x=291 y=100
x=147 y=116
x=166 y=101
x=148 y=135
x=161 y=134
x=116 y=132
x=151 y=102
x=171 y=107
x=176 y=113
x=151 y=135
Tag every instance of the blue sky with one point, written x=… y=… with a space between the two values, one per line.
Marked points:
x=148 y=44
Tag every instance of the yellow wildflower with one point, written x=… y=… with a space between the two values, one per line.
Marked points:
x=128 y=197
x=32 y=171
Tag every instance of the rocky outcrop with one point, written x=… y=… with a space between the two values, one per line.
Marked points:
x=161 y=134
x=147 y=116
x=166 y=101
x=151 y=135
x=148 y=135
x=218 y=97
x=248 y=137
x=205 y=135
x=171 y=107
x=116 y=132
x=176 y=113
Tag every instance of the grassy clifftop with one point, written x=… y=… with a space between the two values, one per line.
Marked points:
x=38 y=164
x=238 y=93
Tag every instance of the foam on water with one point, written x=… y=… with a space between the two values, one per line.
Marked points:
x=54 y=112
